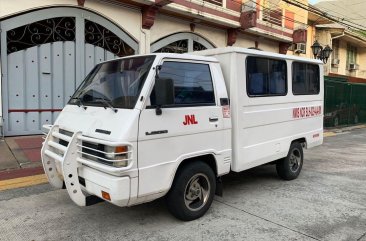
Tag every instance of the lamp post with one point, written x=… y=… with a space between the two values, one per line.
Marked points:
x=320 y=53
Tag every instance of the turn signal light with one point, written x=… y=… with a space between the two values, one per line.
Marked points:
x=120 y=149
x=106 y=196
x=113 y=152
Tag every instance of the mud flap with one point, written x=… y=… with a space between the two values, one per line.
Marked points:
x=219 y=187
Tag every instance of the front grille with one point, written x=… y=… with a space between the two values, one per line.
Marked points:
x=82 y=181
x=66 y=133
x=94 y=152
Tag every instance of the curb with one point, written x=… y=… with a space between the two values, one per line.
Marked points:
x=337 y=131
x=23 y=182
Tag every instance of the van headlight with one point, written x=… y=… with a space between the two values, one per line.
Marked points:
x=119 y=154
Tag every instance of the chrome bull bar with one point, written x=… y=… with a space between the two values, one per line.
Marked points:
x=61 y=162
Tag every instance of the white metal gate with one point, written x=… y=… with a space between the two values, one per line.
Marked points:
x=45 y=55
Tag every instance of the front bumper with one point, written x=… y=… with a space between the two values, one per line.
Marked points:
x=95 y=182
x=65 y=165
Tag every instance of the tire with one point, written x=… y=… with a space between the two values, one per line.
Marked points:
x=290 y=167
x=336 y=121
x=192 y=192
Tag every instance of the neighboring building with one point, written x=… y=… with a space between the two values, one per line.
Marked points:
x=48 y=46
x=351 y=11
x=348 y=58
x=344 y=97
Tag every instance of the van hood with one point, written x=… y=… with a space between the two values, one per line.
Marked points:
x=99 y=122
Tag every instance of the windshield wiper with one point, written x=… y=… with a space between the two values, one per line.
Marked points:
x=108 y=103
x=80 y=102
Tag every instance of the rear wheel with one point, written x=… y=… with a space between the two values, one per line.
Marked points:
x=290 y=167
x=192 y=191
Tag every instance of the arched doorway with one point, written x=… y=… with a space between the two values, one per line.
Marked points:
x=181 y=43
x=45 y=55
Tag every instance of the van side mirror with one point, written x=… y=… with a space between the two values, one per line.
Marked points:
x=164 y=93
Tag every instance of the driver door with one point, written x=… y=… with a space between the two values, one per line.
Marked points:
x=192 y=125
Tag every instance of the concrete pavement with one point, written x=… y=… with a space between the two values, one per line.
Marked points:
x=327 y=202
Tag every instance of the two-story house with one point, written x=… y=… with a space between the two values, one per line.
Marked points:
x=48 y=46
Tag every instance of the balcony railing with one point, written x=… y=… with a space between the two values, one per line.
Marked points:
x=273 y=16
x=216 y=2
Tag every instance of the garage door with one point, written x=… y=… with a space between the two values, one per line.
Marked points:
x=45 y=56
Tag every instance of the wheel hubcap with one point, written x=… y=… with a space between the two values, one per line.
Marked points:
x=295 y=160
x=197 y=192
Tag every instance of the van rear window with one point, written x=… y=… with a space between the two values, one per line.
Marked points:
x=266 y=77
x=305 y=79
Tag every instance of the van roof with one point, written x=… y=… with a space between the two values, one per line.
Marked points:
x=188 y=56
x=218 y=51
x=204 y=55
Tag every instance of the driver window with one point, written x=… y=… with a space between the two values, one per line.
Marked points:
x=192 y=83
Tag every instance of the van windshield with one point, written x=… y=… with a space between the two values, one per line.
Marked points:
x=115 y=84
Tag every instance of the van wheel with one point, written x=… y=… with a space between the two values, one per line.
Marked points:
x=192 y=191
x=290 y=167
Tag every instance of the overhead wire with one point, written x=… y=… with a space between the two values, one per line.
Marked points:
x=343 y=21
x=326 y=15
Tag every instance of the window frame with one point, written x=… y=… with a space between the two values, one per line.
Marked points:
x=214 y=103
x=292 y=77
x=265 y=95
x=352 y=53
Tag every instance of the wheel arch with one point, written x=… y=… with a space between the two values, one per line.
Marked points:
x=208 y=158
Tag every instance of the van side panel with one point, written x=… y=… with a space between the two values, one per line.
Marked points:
x=264 y=127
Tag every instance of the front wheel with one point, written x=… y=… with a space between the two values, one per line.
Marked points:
x=290 y=167
x=192 y=191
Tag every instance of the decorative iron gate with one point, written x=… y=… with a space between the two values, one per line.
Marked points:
x=180 y=43
x=45 y=55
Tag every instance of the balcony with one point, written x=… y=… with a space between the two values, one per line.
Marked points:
x=223 y=12
x=270 y=21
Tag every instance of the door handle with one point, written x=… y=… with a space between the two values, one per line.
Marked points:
x=213 y=119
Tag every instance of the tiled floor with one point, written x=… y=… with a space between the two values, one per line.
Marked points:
x=20 y=155
x=31 y=147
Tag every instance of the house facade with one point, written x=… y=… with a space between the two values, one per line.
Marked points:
x=48 y=46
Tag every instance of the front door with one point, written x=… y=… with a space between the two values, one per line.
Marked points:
x=189 y=127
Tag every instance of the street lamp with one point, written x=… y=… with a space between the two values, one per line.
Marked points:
x=320 y=53
x=326 y=53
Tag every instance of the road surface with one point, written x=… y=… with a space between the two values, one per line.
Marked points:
x=327 y=202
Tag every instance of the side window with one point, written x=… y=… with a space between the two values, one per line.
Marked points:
x=266 y=77
x=192 y=83
x=305 y=79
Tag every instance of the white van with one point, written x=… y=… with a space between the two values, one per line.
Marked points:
x=142 y=127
